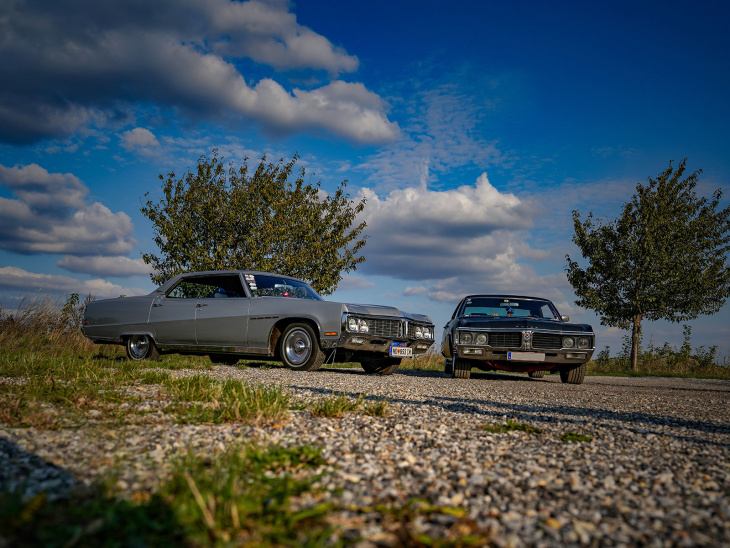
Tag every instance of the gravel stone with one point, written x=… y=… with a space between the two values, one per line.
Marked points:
x=656 y=472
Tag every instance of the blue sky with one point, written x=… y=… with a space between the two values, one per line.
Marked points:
x=472 y=128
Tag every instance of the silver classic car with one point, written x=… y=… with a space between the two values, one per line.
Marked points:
x=513 y=333
x=236 y=314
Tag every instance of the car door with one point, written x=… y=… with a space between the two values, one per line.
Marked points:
x=172 y=318
x=221 y=316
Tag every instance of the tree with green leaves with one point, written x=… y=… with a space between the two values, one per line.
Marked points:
x=665 y=257
x=225 y=217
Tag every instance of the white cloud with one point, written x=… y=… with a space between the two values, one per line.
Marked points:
x=17 y=279
x=417 y=233
x=354 y=282
x=105 y=266
x=179 y=55
x=139 y=137
x=50 y=215
x=415 y=290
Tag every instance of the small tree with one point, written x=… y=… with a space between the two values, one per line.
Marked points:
x=217 y=218
x=663 y=258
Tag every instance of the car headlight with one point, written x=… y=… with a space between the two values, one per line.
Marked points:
x=352 y=324
x=419 y=332
x=357 y=325
x=584 y=342
x=466 y=338
x=427 y=333
x=568 y=342
x=481 y=338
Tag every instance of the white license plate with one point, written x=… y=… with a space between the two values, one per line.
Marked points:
x=526 y=356
x=401 y=351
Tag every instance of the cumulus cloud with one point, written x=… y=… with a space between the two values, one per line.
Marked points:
x=23 y=281
x=354 y=282
x=49 y=214
x=139 y=137
x=174 y=54
x=453 y=242
x=105 y=266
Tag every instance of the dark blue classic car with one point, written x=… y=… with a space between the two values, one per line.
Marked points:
x=511 y=333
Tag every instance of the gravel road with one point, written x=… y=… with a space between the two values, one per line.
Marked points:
x=656 y=472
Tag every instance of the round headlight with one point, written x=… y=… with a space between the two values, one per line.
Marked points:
x=419 y=332
x=481 y=338
x=364 y=328
x=466 y=338
x=352 y=324
x=584 y=342
x=568 y=342
x=427 y=333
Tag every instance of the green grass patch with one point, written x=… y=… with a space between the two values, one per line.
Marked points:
x=335 y=406
x=376 y=408
x=574 y=437
x=244 y=497
x=510 y=426
x=230 y=401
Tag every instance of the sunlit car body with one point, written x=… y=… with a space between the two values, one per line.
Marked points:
x=230 y=315
x=513 y=333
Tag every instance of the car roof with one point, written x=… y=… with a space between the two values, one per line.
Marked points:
x=175 y=278
x=503 y=296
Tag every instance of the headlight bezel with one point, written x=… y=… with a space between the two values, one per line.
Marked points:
x=357 y=325
x=569 y=341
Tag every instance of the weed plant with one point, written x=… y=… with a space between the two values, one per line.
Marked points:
x=335 y=406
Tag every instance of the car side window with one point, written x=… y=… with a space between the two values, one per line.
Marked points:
x=208 y=287
x=273 y=286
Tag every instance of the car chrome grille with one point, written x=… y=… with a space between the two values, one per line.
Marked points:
x=385 y=328
x=547 y=340
x=505 y=339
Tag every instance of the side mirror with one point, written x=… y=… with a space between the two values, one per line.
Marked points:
x=565 y=318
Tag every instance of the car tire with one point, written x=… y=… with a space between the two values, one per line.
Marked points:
x=462 y=369
x=573 y=375
x=449 y=366
x=380 y=366
x=223 y=359
x=299 y=348
x=142 y=347
x=536 y=374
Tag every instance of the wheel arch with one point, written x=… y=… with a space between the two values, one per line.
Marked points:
x=280 y=326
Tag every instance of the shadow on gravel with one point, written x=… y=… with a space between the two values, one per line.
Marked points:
x=544 y=413
x=42 y=505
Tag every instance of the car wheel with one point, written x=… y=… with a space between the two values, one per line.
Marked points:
x=380 y=366
x=299 y=348
x=142 y=347
x=573 y=375
x=449 y=366
x=223 y=359
x=462 y=369
x=536 y=374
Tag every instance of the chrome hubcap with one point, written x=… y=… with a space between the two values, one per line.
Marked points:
x=138 y=345
x=297 y=347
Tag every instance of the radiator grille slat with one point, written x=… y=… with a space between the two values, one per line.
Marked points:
x=506 y=339
x=385 y=328
x=547 y=340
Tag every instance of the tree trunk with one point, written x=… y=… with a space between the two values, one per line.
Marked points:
x=635 y=340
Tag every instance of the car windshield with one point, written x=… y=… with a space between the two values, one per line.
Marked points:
x=275 y=286
x=509 y=307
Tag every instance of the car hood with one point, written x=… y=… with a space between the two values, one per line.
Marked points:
x=386 y=311
x=521 y=323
